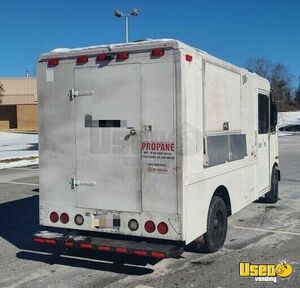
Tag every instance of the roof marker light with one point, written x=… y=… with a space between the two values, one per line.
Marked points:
x=53 y=62
x=101 y=57
x=122 y=55
x=104 y=57
x=82 y=59
x=158 y=52
x=188 y=58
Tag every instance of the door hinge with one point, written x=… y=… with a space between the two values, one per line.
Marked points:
x=73 y=93
x=74 y=183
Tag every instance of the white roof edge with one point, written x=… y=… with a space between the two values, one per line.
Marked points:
x=64 y=52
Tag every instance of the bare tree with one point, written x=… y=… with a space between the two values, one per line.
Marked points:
x=280 y=79
x=260 y=66
x=2 y=90
x=281 y=83
x=297 y=96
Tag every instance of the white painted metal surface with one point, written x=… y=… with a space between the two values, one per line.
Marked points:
x=154 y=163
x=108 y=161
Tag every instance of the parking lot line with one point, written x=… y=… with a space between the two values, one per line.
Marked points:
x=267 y=230
x=19 y=183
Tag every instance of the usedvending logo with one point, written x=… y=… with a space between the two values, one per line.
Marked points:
x=266 y=272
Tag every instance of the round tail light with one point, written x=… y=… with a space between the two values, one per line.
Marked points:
x=162 y=228
x=54 y=217
x=133 y=225
x=64 y=218
x=78 y=219
x=149 y=226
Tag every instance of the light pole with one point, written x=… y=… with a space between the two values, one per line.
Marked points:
x=119 y=14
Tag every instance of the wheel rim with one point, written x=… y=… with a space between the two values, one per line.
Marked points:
x=218 y=224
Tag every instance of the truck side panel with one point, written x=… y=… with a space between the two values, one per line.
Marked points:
x=237 y=172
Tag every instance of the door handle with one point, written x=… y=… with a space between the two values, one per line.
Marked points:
x=132 y=132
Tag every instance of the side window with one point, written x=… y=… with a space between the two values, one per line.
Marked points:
x=263 y=114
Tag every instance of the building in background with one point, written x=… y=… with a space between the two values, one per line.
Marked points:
x=18 y=109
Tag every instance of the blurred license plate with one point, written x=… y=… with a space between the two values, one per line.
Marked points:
x=106 y=221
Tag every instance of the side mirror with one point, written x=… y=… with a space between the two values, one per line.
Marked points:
x=273 y=114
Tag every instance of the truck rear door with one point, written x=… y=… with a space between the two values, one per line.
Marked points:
x=108 y=137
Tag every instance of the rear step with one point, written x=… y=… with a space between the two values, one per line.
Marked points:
x=144 y=249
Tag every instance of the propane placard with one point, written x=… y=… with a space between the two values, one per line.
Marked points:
x=158 y=157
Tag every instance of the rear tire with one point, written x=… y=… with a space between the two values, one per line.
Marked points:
x=272 y=196
x=217 y=224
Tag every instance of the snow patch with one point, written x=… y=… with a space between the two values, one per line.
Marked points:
x=18 y=149
x=149 y=40
x=60 y=50
x=19 y=163
x=287 y=118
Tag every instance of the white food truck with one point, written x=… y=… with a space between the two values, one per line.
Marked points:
x=148 y=146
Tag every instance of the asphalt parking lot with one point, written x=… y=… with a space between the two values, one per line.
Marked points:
x=260 y=233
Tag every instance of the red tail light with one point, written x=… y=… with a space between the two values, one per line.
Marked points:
x=64 y=218
x=45 y=241
x=121 y=250
x=149 y=226
x=54 y=217
x=69 y=244
x=53 y=62
x=162 y=228
x=104 y=248
x=158 y=52
x=82 y=60
x=159 y=255
x=86 y=245
x=50 y=241
x=140 y=253
x=122 y=55
x=39 y=240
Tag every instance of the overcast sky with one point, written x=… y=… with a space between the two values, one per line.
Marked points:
x=231 y=30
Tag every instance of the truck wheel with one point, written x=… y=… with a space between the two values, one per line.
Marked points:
x=272 y=196
x=215 y=236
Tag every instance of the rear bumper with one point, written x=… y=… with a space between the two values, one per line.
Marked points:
x=136 y=248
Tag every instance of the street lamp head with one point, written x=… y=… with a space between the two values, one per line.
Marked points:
x=118 y=13
x=135 y=12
